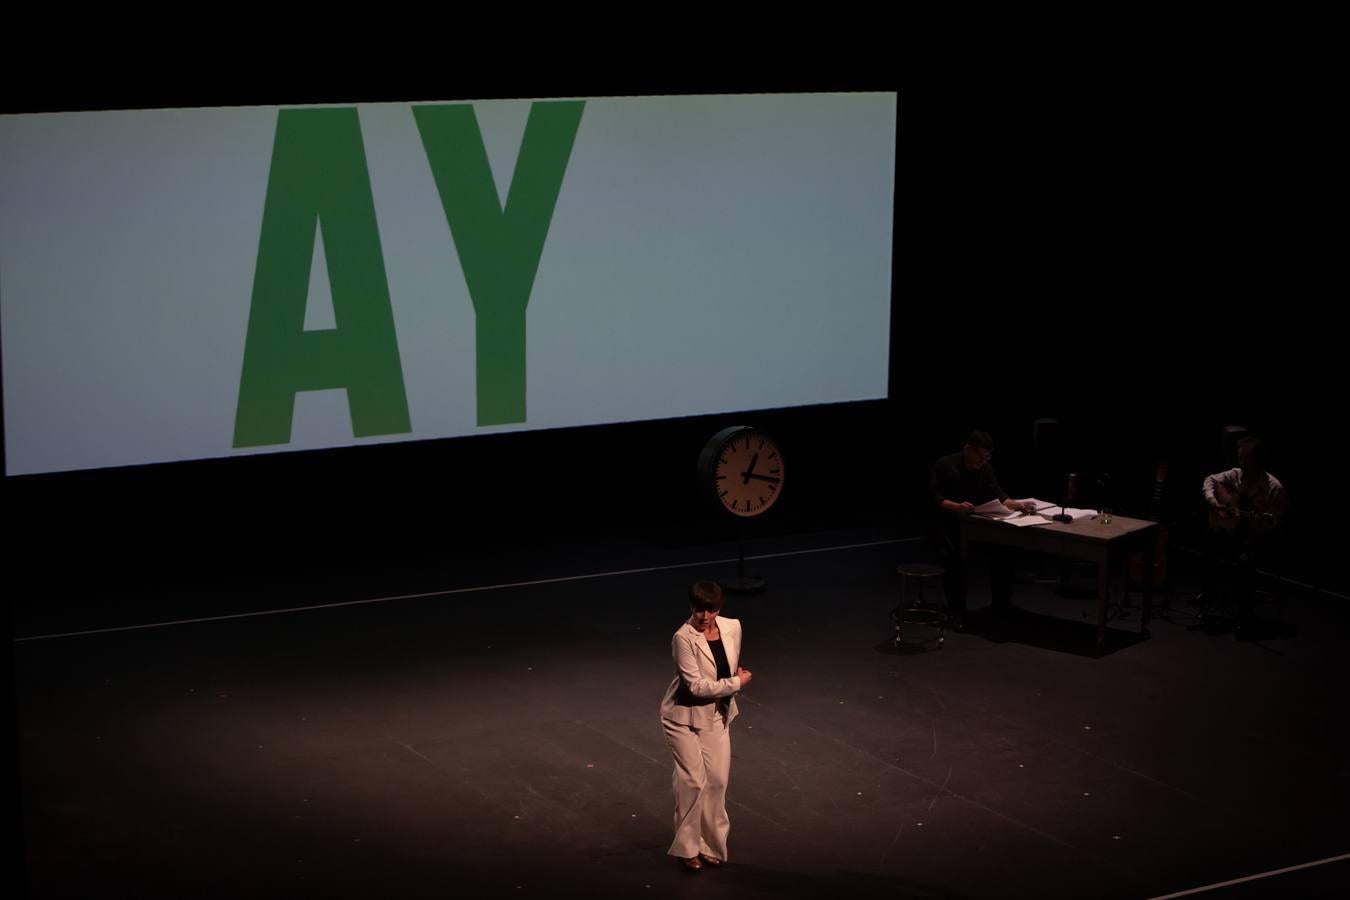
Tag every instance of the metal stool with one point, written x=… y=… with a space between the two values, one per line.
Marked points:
x=918 y=612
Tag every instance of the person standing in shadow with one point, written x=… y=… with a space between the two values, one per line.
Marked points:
x=960 y=482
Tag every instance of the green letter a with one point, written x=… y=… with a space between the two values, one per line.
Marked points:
x=319 y=178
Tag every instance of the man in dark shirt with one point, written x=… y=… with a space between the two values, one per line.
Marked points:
x=959 y=483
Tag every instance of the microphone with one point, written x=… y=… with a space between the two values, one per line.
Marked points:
x=1104 y=500
x=1070 y=495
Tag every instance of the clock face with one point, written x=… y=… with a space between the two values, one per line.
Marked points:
x=748 y=473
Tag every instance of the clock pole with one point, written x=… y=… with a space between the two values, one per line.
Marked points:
x=742 y=583
x=742 y=465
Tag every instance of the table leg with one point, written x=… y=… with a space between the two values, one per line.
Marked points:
x=1102 y=569
x=1148 y=585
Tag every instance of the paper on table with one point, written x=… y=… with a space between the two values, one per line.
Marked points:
x=996 y=509
x=1073 y=513
x=993 y=508
x=1022 y=521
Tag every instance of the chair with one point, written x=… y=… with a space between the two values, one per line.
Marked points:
x=913 y=608
x=1156 y=579
x=1270 y=588
x=1216 y=600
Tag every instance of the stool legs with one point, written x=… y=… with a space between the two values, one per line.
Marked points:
x=941 y=618
x=928 y=616
x=899 y=613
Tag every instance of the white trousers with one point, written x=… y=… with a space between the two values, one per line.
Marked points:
x=702 y=766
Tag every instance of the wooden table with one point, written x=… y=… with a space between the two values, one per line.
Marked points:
x=1086 y=539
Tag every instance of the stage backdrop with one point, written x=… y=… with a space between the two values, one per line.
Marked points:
x=191 y=283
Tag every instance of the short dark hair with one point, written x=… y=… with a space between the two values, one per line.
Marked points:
x=705 y=596
x=980 y=439
x=1251 y=451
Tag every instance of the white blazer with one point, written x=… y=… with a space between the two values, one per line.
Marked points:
x=695 y=691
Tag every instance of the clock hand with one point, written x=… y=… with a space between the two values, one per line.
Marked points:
x=774 y=478
x=746 y=476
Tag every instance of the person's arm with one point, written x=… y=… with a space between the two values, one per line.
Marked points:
x=991 y=481
x=686 y=661
x=935 y=488
x=1208 y=490
x=1279 y=502
x=1272 y=514
x=1214 y=490
x=742 y=672
x=1218 y=493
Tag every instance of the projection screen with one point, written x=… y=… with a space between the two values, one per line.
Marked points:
x=183 y=284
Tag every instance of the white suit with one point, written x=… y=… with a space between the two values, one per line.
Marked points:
x=696 y=713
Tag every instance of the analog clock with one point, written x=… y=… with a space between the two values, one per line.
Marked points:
x=744 y=467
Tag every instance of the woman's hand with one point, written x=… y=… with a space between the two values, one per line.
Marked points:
x=744 y=676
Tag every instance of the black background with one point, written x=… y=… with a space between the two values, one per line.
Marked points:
x=1132 y=222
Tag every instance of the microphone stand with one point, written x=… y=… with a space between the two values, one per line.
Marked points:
x=1069 y=486
x=1105 y=501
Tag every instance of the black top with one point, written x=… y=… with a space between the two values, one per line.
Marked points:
x=953 y=481
x=720 y=657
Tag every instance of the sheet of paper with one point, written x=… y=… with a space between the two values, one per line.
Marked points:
x=994 y=508
x=1023 y=521
x=1076 y=514
x=1039 y=504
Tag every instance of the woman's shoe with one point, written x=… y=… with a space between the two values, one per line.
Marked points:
x=692 y=862
x=712 y=861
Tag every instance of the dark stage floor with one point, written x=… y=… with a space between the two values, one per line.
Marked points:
x=506 y=742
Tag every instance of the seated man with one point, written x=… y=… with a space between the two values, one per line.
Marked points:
x=959 y=483
x=1246 y=509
